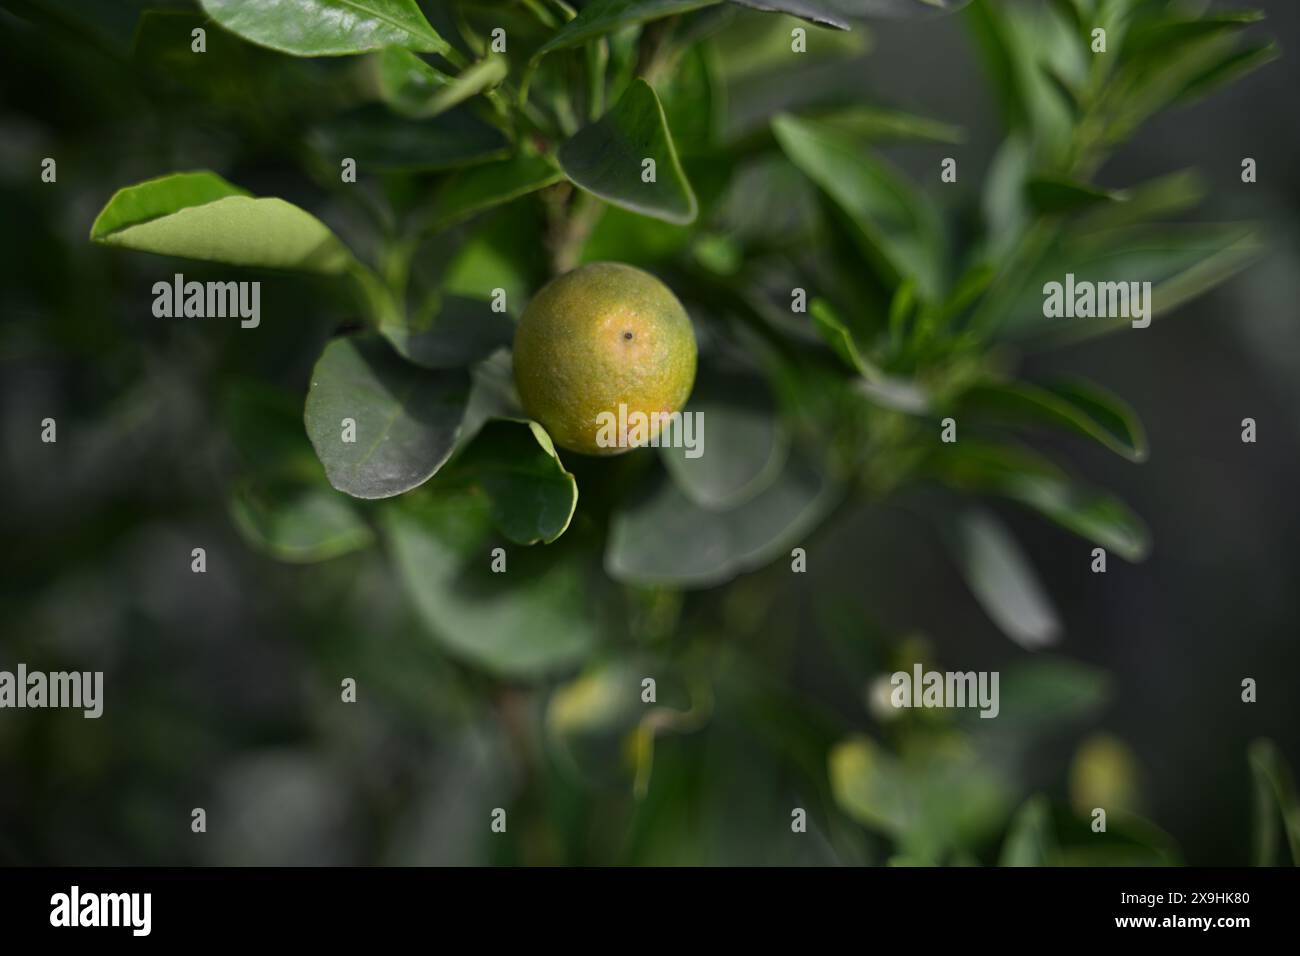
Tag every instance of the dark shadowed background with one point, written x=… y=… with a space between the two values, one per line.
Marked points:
x=222 y=689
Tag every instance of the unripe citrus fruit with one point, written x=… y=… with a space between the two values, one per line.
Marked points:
x=598 y=337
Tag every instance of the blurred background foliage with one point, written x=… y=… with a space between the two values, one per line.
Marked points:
x=523 y=691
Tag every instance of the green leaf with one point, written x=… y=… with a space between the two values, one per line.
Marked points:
x=201 y=216
x=1065 y=89
x=538 y=617
x=872 y=124
x=1078 y=406
x=299 y=524
x=473 y=190
x=155 y=198
x=693 y=101
x=742 y=444
x=379 y=140
x=1002 y=579
x=1128 y=840
x=888 y=392
x=406 y=418
x=935 y=797
x=328 y=27
x=837 y=335
x=474 y=79
x=897 y=229
x=622 y=236
x=264 y=425
x=663 y=538
x=1274 y=795
x=1180 y=262
x=1050 y=195
x=1226 y=70
x=1043 y=695
x=1030 y=841
x=281 y=504
x=821 y=14
x=514 y=463
x=1036 y=60
x=453 y=332
x=768 y=203
x=606 y=159
x=1033 y=481
x=1147 y=202
x=501 y=253
x=608 y=16
x=1004 y=205
x=1164 y=35
x=751 y=50
x=991 y=27
x=406 y=82
x=896 y=9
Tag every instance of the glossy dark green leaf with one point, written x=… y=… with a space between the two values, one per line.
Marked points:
x=607 y=157
x=515 y=464
x=1078 y=406
x=474 y=190
x=453 y=332
x=537 y=617
x=201 y=216
x=1030 y=841
x=894 y=224
x=298 y=524
x=661 y=537
x=380 y=140
x=1002 y=579
x=328 y=27
x=607 y=16
x=406 y=418
x=1030 y=479
x=742 y=446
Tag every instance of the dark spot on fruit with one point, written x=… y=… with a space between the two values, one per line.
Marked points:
x=627 y=336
